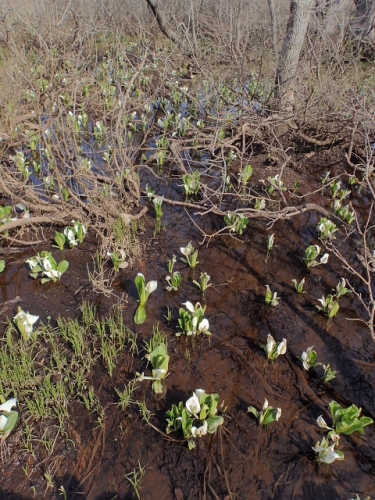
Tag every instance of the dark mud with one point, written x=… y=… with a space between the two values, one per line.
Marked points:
x=242 y=460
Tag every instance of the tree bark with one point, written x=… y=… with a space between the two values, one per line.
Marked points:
x=274 y=28
x=288 y=61
x=162 y=22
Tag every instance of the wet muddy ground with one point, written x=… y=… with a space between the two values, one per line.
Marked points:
x=242 y=460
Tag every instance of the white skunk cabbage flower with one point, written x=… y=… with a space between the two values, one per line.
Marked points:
x=192 y=405
x=25 y=322
x=199 y=431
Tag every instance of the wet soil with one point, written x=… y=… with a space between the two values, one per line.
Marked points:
x=242 y=460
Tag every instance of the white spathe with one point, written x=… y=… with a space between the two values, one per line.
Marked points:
x=204 y=325
x=192 y=405
x=151 y=286
x=270 y=344
x=158 y=373
x=321 y=422
x=200 y=431
x=32 y=262
x=189 y=306
x=199 y=393
x=305 y=358
x=324 y=259
x=6 y=407
x=281 y=348
x=188 y=249
x=27 y=321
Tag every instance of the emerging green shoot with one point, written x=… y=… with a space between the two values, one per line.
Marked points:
x=273 y=349
x=174 y=277
x=308 y=358
x=299 y=286
x=266 y=415
x=245 y=175
x=260 y=204
x=75 y=234
x=118 y=260
x=191 y=255
x=159 y=360
x=169 y=316
x=275 y=183
x=326 y=229
x=25 y=322
x=311 y=254
x=204 y=284
x=191 y=183
x=173 y=281
x=328 y=374
x=158 y=201
x=341 y=289
x=271 y=300
x=329 y=306
x=60 y=240
x=236 y=223
x=5 y=214
x=270 y=242
x=143 y=294
x=334 y=187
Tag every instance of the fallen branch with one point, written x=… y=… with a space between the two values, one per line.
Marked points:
x=33 y=220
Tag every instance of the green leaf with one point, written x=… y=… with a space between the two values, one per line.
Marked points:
x=269 y=416
x=157 y=387
x=334 y=408
x=333 y=311
x=65 y=194
x=159 y=357
x=346 y=420
x=213 y=402
x=141 y=289
x=348 y=428
x=45 y=280
x=213 y=423
x=203 y=413
x=2 y=265
x=254 y=411
x=140 y=315
x=60 y=240
x=191 y=444
x=63 y=266
x=11 y=422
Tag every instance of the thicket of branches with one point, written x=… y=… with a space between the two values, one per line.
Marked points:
x=51 y=51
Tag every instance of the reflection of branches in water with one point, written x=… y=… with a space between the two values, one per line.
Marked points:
x=364 y=390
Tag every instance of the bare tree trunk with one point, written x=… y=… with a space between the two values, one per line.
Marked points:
x=163 y=23
x=274 y=28
x=288 y=61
